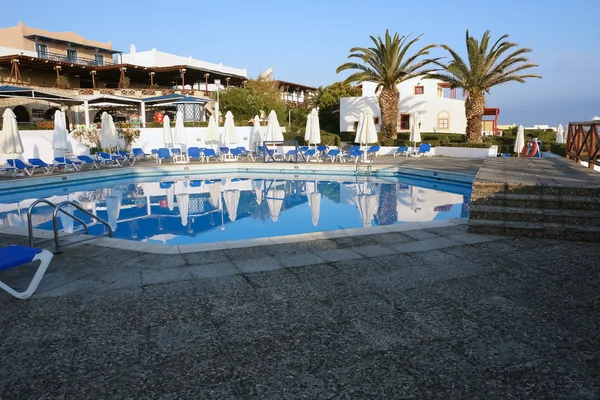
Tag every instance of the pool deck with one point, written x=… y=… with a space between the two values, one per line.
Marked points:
x=433 y=312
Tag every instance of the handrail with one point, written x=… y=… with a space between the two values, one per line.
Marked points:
x=29 y=222
x=58 y=209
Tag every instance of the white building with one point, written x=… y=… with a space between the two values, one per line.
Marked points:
x=437 y=106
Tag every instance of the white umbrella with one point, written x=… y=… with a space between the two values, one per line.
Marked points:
x=59 y=135
x=167 y=132
x=520 y=140
x=170 y=198
x=255 y=136
x=315 y=129
x=367 y=207
x=113 y=207
x=307 y=131
x=560 y=134
x=229 y=136
x=212 y=132
x=366 y=133
x=415 y=129
x=275 y=201
x=108 y=135
x=257 y=186
x=179 y=130
x=566 y=135
x=183 y=200
x=10 y=140
x=232 y=199
x=274 y=133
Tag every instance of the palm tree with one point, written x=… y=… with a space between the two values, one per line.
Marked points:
x=387 y=64
x=485 y=69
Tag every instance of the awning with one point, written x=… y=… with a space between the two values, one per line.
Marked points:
x=18 y=91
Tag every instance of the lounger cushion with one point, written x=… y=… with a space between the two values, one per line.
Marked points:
x=16 y=255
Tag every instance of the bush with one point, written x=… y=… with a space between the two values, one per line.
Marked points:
x=558 y=148
x=327 y=139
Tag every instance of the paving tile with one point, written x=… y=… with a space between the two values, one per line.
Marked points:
x=152 y=277
x=205 y=257
x=257 y=264
x=336 y=255
x=424 y=245
x=214 y=270
x=374 y=250
x=299 y=260
x=420 y=234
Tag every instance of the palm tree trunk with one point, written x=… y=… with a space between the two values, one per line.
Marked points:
x=388 y=104
x=474 y=106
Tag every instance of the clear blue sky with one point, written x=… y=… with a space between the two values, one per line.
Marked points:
x=305 y=41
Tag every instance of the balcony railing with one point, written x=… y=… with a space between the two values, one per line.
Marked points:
x=74 y=60
x=583 y=142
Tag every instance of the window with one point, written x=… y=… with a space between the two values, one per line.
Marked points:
x=376 y=120
x=99 y=58
x=443 y=120
x=42 y=51
x=404 y=122
x=419 y=90
x=71 y=54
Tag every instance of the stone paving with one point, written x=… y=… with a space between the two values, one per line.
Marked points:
x=434 y=313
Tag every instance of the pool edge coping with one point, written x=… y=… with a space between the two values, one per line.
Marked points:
x=68 y=240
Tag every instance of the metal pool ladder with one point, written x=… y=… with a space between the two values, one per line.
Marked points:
x=369 y=165
x=58 y=208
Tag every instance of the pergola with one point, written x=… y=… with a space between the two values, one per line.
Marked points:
x=492 y=112
x=112 y=100
x=23 y=92
x=191 y=107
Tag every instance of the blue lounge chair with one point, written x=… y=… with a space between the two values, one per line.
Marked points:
x=402 y=150
x=90 y=162
x=194 y=153
x=9 y=170
x=424 y=150
x=235 y=154
x=64 y=161
x=311 y=153
x=195 y=183
x=209 y=153
x=246 y=153
x=164 y=154
x=42 y=165
x=322 y=149
x=165 y=185
x=332 y=155
x=374 y=149
x=139 y=153
x=21 y=166
x=110 y=160
x=14 y=256
x=291 y=155
x=130 y=158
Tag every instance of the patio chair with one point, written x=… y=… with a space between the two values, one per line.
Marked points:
x=14 y=256
x=322 y=149
x=311 y=153
x=209 y=153
x=164 y=154
x=291 y=155
x=424 y=150
x=110 y=160
x=65 y=162
x=195 y=183
x=9 y=171
x=402 y=150
x=165 y=185
x=139 y=153
x=130 y=158
x=21 y=166
x=194 y=153
x=42 y=165
x=154 y=153
x=90 y=162
x=374 y=149
x=246 y=153
x=333 y=154
x=303 y=148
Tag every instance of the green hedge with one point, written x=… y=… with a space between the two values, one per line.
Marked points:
x=327 y=139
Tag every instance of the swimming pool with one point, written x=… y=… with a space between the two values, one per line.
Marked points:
x=207 y=208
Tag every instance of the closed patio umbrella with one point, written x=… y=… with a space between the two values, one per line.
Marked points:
x=180 y=138
x=274 y=133
x=255 y=136
x=257 y=186
x=108 y=136
x=214 y=190
x=10 y=140
x=560 y=134
x=60 y=143
x=113 y=207
x=67 y=221
x=232 y=199
x=366 y=133
x=212 y=132
x=229 y=136
x=520 y=140
x=167 y=132
x=415 y=129
x=183 y=200
x=315 y=128
x=307 y=130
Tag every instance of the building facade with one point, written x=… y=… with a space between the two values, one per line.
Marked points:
x=438 y=108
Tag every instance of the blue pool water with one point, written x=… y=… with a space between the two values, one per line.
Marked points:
x=208 y=208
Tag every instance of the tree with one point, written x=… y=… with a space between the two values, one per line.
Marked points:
x=483 y=70
x=387 y=64
x=328 y=101
x=246 y=102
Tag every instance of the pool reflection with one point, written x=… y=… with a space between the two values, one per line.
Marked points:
x=211 y=210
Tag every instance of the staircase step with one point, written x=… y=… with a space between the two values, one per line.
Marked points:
x=555 y=216
x=537 y=201
x=537 y=230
